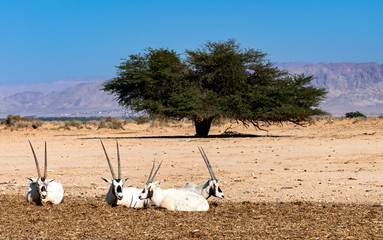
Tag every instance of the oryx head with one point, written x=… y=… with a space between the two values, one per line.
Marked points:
x=213 y=185
x=147 y=192
x=42 y=181
x=116 y=183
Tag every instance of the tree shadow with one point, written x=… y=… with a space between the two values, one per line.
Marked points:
x=219 y=136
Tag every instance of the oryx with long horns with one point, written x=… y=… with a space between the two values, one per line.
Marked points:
x=118 y=194
x=172 y=199
x=207 y=188
x=42 y=189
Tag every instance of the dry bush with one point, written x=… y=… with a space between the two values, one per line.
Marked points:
x=111 y=123
x=142 y=120
x=129 y=121
x=56 y=123
x=93 y=123
x=167 y=122
x=73 y=123
x=14 y=122
x=219 y=122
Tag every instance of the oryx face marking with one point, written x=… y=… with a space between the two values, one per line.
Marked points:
x=117 y=188
x=147 y=192
x=215 y=190
x=42 y=186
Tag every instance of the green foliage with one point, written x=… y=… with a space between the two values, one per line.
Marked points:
x=219 y=80
x=356 y=114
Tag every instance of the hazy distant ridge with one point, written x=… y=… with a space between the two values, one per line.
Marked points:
x=351 y=86
x=83 y=99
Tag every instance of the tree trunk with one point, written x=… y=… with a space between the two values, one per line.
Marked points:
x=202 y=127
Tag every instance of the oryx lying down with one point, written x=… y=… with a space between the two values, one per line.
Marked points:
x=207 y=188
x=172 y=199
x=43 y=189
x=118 y=194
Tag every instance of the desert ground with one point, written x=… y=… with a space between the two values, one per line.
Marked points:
x=286 y=182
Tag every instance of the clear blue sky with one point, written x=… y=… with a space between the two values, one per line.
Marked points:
x=51 y=40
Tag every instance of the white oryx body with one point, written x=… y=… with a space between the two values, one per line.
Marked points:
x=41 y=189
x=117 y=193
x=172 y=199
x=54 y=193
x=208 y=188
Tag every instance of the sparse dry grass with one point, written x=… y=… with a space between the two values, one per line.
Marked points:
x=93 y=219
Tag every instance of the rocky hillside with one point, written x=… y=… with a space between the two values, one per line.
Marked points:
x=351 y=86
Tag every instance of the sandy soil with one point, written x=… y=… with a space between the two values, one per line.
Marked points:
x=332 y=161
x=90 y=218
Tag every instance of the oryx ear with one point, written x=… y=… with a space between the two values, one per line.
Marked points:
x=158 y=183
x=107 y=180
x=126 y=179
x=32 y=179
x=50 y=180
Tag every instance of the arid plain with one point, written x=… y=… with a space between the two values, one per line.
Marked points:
x=327 y=161
x=324 y=180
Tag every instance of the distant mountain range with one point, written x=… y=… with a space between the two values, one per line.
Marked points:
x=84 y=99
x=351 y=87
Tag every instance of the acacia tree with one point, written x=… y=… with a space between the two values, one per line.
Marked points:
x=218 y=80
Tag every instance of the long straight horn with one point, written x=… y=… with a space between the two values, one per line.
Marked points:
x=107 y=158
x=207 y=162
x=36 y=162
x=151 y=171
x=45 y=162
x=155 y=173
x=118 y=160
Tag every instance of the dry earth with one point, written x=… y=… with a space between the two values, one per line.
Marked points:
x=327 y=165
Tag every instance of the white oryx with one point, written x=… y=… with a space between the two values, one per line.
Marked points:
x=172 y=199
x=42 y=189
x=118 y=194
x=207 y=188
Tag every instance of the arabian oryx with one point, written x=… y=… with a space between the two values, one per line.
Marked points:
x=172 y=199
x=119 y=195
x=207 y=188
x=43 y=189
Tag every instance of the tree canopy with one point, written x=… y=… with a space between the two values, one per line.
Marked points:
x=220 y=79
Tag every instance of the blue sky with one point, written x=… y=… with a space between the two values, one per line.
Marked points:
x=69 y=40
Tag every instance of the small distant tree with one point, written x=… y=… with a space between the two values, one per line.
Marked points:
x=356 y=114
x=219 y=80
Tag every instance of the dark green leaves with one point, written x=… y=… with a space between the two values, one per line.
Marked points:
x=218 y=80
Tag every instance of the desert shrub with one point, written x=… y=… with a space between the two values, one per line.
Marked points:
x=329 y=120
x=356 y=114
x=93 y=123
x=73 y=123
x=15 y=122
x=219 y=122
x=112 y=123
x=129 y=120
x=36 y=123
x=142 y=120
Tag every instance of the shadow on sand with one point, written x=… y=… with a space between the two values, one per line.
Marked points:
x=235 y=135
